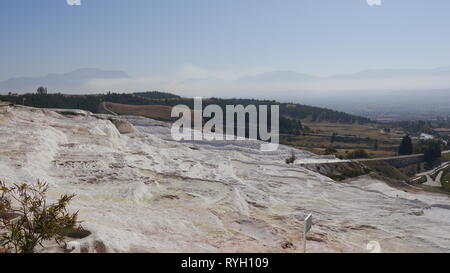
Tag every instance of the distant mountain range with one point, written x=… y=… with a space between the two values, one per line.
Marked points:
x=277 y=76
x=286 y=75
x=77 y=81
x=73 y=81
x=377 y=90
x=424 y=92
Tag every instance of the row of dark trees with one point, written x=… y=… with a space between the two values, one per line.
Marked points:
x=416 y=127
x=290 y=114
x=317 y=114
x=406 y=147
x=432 y=149
x=42 y=99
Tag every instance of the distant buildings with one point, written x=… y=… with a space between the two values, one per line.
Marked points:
x=426 y=136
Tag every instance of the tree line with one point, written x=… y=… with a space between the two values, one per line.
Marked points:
x=432 y=149
x=290 y=114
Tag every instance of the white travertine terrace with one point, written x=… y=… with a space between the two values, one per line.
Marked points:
x=144 y=192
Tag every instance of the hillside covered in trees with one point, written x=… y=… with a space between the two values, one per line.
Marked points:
x=85 y=102
x=290 y=114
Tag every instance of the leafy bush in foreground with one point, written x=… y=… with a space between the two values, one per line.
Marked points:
x=26 y=220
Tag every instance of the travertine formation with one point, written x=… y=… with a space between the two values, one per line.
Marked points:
x=143 y=192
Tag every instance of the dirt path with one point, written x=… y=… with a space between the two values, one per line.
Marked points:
x=103 y=105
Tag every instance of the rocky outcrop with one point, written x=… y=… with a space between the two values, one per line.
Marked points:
x=124 y=127
x=71 y=112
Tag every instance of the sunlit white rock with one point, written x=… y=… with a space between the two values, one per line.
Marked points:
x=143 y=191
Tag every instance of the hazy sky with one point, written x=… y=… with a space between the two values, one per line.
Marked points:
x=203 y=47
x=157 y=37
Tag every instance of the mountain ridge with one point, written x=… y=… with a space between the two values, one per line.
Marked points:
x=73 y=80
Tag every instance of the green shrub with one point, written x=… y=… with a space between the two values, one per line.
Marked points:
x=445 y=157
x=330 y=151
x=291 y=159
x=432 y=150
x=357 y=154
x=446 y=182
x=26 y=220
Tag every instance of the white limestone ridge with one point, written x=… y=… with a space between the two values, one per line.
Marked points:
x=143 y=192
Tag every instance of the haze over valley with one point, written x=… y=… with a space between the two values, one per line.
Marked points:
x=376 y=94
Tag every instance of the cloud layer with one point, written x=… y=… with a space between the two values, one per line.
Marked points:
x=374 y=2
x=191 y=81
